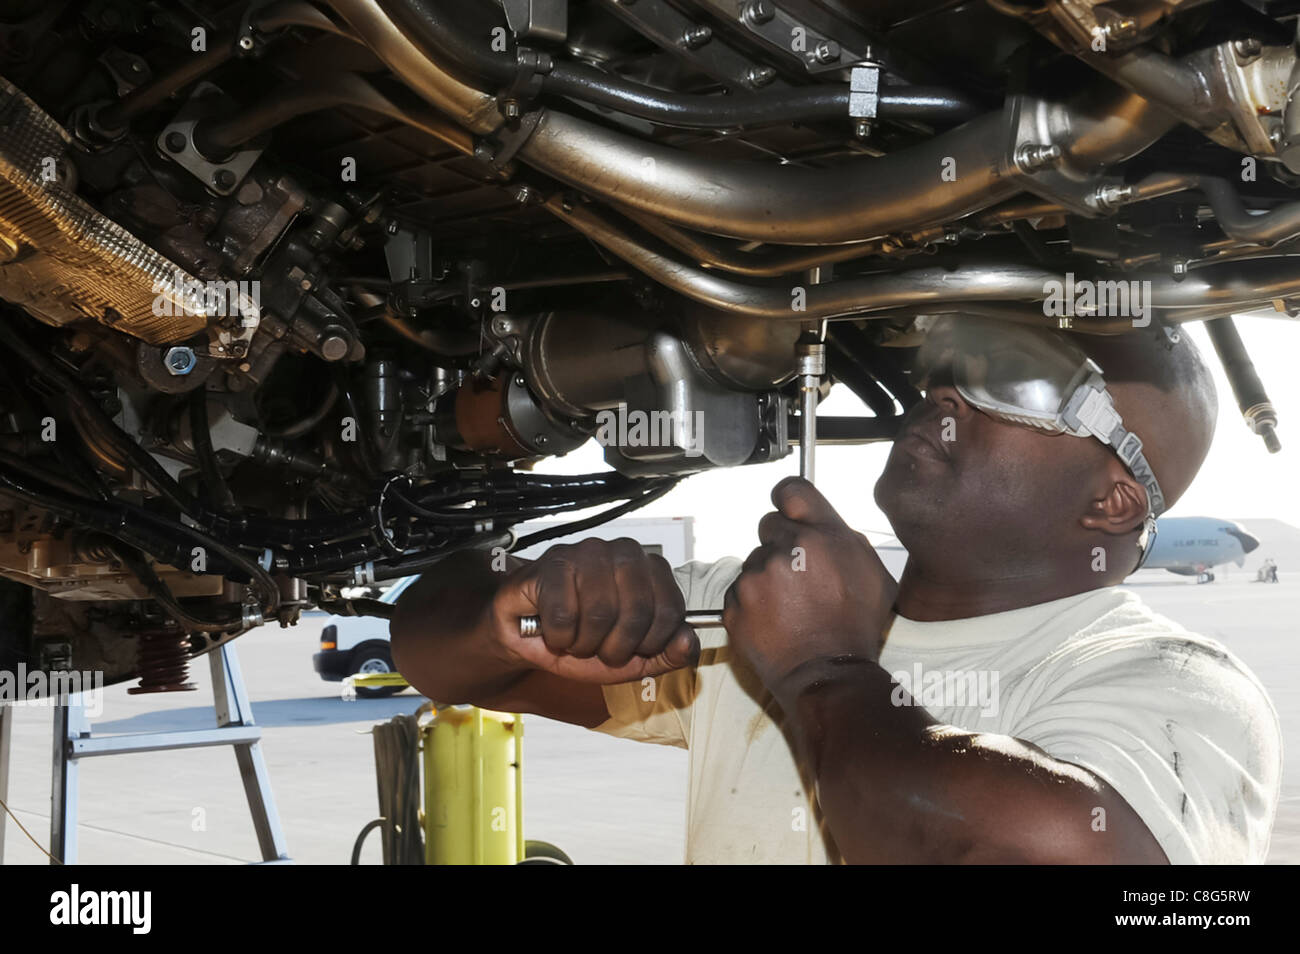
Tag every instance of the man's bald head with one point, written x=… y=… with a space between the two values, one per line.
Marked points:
x=1000 y=501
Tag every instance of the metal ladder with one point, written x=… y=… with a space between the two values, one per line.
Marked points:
x=235 y=726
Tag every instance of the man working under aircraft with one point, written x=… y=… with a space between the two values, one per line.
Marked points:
x=1023 y=496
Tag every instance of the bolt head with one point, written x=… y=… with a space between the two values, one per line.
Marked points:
x=828 y=51
x=179 y=360
x=333 y=348
x=696 y=37
x=759 y=11
x=1248 y=47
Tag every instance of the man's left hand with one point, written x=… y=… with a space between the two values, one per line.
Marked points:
x=813 y=589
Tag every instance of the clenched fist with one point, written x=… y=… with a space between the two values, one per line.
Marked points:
x=813 y=589
x=610 y=613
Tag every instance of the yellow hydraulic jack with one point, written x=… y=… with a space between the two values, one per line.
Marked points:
x=473 y=786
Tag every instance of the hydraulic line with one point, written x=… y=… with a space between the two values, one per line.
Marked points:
x=1252 y=400
x=145 y=97
x=201 y=439
x=442 y=37
x=541 y=536
x=162 y=594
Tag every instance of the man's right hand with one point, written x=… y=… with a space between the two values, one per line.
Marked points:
x=610 y=613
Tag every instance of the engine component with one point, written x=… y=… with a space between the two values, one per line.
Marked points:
x=61 y=259
x=423 y=262
x=654 y=406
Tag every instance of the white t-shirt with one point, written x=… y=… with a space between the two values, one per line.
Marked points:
x=1172 y=721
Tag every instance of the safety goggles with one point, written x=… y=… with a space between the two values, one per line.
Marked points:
x=1037 y=378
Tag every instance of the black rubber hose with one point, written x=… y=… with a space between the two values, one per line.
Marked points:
x=163 y=595
x=443 y=38
x=201 y=439
x=874 y=359
x=417 y=564
x=363 y=450
x=843 y=365
x=308 y=423
x=72 y=391
x=102 y=517
x=123 y=521
x=541 y=536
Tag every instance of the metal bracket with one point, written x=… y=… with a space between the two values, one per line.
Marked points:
x=538 y=19
x=791 y=37
x=176 y=141
x=497 y=155
x=864 y=92
x=531 y=65
x=1032 y=155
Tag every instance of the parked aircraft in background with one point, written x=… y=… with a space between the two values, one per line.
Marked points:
x=1191 y=546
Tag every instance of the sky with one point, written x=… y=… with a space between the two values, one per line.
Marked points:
x=1239 y=479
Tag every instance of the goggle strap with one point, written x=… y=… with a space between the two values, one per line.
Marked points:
x=1092 y=411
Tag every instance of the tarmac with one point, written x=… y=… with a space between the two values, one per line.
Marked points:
x=602 y=800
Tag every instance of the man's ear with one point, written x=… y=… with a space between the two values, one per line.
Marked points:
x=1121 y=505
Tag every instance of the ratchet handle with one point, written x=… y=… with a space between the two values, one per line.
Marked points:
x=532 y=625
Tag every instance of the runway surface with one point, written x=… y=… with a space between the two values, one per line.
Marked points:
x=602 y=800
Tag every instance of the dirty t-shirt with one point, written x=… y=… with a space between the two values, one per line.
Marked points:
x=1172 y=721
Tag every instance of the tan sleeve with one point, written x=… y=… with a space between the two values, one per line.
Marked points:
x=659 y=710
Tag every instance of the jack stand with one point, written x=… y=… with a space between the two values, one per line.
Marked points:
x=235 y=726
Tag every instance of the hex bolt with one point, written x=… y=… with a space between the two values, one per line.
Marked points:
x=1249 y=47
x=696 y=36
x=827 y=51
x=179 y=360
x=759 y=11
x=224 y=179
x=760 y=75
x=175 y=142
x=862 y=128
x=1119 y=30
x=1034 y=156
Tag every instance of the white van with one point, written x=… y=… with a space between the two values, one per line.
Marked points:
x=352 y=645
